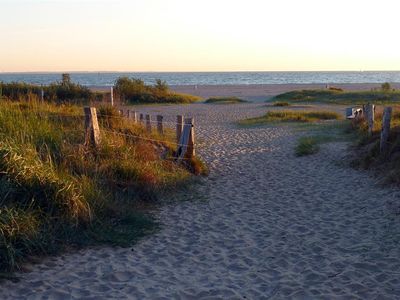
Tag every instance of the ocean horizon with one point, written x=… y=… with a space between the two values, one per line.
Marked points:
x=210 y=78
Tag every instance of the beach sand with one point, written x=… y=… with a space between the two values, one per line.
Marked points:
x=264 y=225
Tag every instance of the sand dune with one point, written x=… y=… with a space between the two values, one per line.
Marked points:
x=264 y=225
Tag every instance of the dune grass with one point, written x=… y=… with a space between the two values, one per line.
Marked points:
x=55 y=92
x=292 y=116
x=225 y=100
x=54 y=191
x=307 y=146
x=340 y=97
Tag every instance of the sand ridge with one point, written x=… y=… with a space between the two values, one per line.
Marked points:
x=264 y=225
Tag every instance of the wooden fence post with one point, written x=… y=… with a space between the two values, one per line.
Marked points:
x=387 y=115
x=186 y=145
x=191 y=151
x=179 y=127
x=370 y=117
x=141 y=118
x=160 y=127
x=148 y=123
x=112 y=96
x=133 y=116
x=92 y=129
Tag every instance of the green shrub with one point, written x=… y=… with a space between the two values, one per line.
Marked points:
x=135 y=91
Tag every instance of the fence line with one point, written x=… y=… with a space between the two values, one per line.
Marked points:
x=185 y=132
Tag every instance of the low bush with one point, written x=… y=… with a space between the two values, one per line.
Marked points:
x=135 y=91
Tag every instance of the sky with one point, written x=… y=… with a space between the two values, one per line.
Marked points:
x=207 y=35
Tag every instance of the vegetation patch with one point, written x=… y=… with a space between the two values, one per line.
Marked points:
x=135 y=91
x=55 y=191
x=59 y=92
x=281 y=104
x=367 y=154
x=225 y=100
x=292 y=116
x=307 y=146
x=337 y=96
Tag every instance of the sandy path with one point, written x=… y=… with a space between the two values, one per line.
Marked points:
x=264 y=225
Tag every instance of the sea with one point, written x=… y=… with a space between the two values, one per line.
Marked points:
x=210 y=78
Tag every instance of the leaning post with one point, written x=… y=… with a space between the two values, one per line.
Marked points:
x=387 y=115
x=179 y=127
x=92 y=129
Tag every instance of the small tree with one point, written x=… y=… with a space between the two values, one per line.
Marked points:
x=386 y=87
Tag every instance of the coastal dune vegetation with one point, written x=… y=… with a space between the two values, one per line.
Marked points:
x=135 y=91
x=129 y=91
x=55 y=191
x=385 y=94
x=292 y=116
x=366 y=148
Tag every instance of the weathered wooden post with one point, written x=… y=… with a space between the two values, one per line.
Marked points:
x=387 y=115
x=141 y=118
x=112 y=96
x=179 y=127
x=148 y=123
x=370 y=116
x=92 y=129
x=160 y=127
x=191 y=151
x=186 y=145
x=134 y=116
x=41 y=94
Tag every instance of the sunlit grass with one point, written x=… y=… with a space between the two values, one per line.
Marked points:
x=291 y=116
x=56 y=191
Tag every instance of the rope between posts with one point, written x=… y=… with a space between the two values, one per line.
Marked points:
x=139 y=120
x=139 y=137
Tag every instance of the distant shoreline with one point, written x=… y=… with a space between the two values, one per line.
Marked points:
x=256 y=92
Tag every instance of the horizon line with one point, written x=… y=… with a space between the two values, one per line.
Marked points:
x=248 y=71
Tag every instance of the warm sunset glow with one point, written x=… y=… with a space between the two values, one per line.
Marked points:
x=208 y=35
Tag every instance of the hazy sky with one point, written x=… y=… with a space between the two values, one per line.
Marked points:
x=206 y=35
